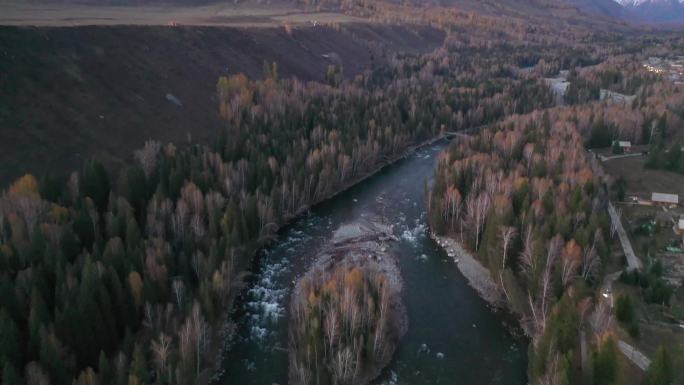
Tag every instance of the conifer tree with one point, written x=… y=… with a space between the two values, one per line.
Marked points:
x=660 y=370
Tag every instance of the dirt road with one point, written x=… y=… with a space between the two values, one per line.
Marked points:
x=634 y=355
x=632 y=261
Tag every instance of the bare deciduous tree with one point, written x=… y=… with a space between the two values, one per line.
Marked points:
x=178 y=288
x=591 y=261
x=147 y=156
x=161 y=348
x=477 y=212
x=506 y=234
x=527 y=257
x=551 y=254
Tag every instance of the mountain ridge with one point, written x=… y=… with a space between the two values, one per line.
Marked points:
x=641 y=11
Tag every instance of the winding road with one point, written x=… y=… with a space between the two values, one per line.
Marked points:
x=632 y=261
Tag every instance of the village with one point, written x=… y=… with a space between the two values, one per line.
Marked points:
x=643 y=281
x=656 y=225
x=671 y=68
x=647 y=235
x=559 y=86
x=650 y=205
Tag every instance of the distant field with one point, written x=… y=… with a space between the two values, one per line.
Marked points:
x=221 y=14
x=642 y=181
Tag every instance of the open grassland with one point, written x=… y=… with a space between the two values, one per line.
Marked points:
x=219 y=14
x=642 y=181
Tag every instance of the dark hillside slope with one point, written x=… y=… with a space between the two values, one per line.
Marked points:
x=67 y=94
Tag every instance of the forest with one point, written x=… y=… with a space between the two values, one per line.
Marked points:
x=523 y=196
x=124 y=275
x=528 y=200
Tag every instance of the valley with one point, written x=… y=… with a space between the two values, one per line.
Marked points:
x=425 y=355
x=340 y=192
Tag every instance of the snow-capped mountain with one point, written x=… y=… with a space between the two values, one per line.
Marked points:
x=654 y=10
x=636 y=3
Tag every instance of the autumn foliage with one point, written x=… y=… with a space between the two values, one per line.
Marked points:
x=343 y=326
x=523 y=195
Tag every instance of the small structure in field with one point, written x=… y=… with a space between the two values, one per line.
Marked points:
x=667 y=200
x=616 y=98
x=680 y=227
x=623 y=146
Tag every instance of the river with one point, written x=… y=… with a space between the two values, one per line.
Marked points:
x=453 y=336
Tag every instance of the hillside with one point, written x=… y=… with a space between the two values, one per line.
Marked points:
x=155 y=256
x=67 y=94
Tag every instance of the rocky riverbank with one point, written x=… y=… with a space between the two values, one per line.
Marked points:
x=477 y=275
x=480 y=279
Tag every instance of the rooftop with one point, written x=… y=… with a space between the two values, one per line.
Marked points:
x=665 y=198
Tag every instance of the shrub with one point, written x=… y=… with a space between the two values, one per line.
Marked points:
x=660 y=370
x=658 y=292
x=634 y=330
x=605 y=362
x=624 y=309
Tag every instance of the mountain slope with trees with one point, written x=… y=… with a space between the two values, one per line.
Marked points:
x=62 y=102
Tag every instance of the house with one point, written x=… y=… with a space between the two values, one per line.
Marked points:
x=615 y=97
x=625 y=146
x=680 y=226
x=662 y=199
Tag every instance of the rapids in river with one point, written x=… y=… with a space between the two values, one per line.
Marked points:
x=453 y=337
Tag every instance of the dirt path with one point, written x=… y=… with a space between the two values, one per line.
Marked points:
x=632 y=261
x=638 y=358
x=607 y=158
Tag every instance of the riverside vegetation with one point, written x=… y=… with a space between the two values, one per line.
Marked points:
x=530 y=201
x=523 y=196
x=123 y=276
x=344 y=325
x=116 y=276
